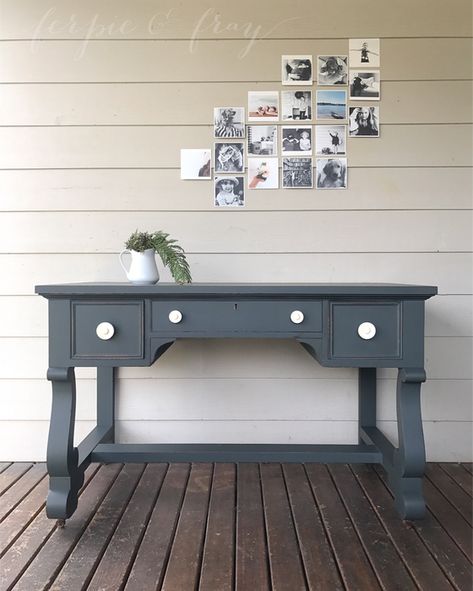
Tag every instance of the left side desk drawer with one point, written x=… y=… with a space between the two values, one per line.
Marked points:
x=124 y=324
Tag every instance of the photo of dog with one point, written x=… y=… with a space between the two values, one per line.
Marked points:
x=229 y=122
x=365 y=85
x=331 y=173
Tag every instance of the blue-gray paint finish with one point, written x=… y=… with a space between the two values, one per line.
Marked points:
x=143 y=332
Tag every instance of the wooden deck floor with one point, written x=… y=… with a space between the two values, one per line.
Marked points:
x=221 y=527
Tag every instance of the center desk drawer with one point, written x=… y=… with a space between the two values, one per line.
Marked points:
x=236 y=316
x=123 y=340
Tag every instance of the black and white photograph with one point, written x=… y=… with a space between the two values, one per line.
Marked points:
x=297 y=173
x=331 y=173
x=296 y=69
x=330 y=139
x=363 y=121
x=263 y=105
x=229 y=157
x=263 y=173
x=262 y=140
x=196 y=164
x=331 y=104
x=229 y=122
x=365 y=85
x=332 y=70
x=296 y=141
x=364 y=53
x=296 y=105
x=229 y=191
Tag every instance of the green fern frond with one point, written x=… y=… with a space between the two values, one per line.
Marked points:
x=171 y=254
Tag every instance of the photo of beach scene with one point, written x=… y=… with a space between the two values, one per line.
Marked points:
x=331 y=104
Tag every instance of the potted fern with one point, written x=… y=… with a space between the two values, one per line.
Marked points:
x=142 y=246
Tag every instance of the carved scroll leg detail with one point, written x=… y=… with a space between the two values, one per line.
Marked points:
x=409 y=458
x=65 y=477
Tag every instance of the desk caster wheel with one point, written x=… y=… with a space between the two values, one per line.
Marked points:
x=61 y=523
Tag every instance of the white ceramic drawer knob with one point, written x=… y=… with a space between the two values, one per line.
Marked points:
x=105 y=331
x=175 y=316
x=367 y=330
x=297 y=316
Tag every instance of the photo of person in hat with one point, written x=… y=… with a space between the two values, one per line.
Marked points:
x=229 y=191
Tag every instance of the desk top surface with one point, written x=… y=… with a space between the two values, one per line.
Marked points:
x=238 y=290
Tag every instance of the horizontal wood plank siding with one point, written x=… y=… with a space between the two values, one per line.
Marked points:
x=97 y=100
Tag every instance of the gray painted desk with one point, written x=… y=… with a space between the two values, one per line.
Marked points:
x=341 y=325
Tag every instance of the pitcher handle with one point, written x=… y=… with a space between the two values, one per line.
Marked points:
x=120 y=258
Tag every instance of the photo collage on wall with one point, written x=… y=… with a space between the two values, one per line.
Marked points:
x=286 y=130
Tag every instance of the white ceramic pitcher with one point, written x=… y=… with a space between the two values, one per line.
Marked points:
x=143 y=269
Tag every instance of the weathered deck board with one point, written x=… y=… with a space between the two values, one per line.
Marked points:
x=420 y=563
x=217 y=564
x=34 y=564
x=352 y=561
x=451 y=490
x=16 y=493
x=84 y=557
x=223 y=527
x=460 y=475
x=187 y=546
x=317 y=554
x=376 y=542
x=284 y=556
x=251 y=553
x=150 y=563
x=12 y=526
x=11 y=474
x=451 y=520
x=113 y=569
x=444 y=552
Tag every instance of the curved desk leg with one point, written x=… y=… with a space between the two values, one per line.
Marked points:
x=409 y=458
x=66 y=477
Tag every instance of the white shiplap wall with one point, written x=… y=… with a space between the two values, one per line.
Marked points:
x=96 y=100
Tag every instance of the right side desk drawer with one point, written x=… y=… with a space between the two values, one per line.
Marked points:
x=365 y=330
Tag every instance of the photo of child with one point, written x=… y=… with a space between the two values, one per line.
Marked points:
x=364 y=122
x=296 y=105
x=263 y=105
x=364 y=53
x=229 y=191
x=332 y=70
x=330 y=139
x=297 y=140
x=229 y=157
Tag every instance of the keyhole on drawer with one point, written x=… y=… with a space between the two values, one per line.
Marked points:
x=235 y=306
